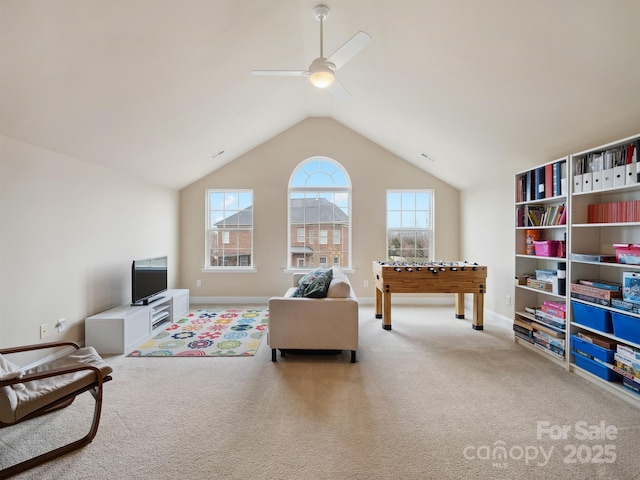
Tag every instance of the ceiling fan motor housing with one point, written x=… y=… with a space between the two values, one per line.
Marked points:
x=321 y=12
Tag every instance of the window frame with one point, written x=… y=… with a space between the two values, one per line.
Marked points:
x=430 y=253
x=313 y=239
x=211 y=232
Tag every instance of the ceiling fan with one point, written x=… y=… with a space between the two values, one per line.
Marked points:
x=322 y=70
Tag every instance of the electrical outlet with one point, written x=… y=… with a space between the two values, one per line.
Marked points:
x=44 y=330
x=62 y=324
x=508 y=300
x=366 y=283
x=198 y=283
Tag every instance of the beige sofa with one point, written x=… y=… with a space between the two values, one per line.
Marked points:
x=330 y=323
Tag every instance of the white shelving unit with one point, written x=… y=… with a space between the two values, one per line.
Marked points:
x=600 y=181
x=591 y=236
x=526 y=263
x=120 y=329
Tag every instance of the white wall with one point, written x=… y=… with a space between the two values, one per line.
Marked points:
x=267 y=170
x=487 y=237
x=68 y=233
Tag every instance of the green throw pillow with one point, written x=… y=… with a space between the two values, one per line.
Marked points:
x=319 y=287
x=310 y=277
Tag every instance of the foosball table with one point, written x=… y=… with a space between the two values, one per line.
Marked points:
x=430 y=277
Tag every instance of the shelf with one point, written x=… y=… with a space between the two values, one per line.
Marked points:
x=557 y=199
x=607 y=264
x=635 y=187
x=543 y=227
x=554 y=357
x=599 y=225
x=537 y=290
x=540 y=257
x=613 y=387
x=607 y=335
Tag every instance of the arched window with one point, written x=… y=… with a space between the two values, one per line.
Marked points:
x=319 y=215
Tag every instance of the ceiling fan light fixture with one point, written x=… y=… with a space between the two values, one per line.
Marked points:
x=321 y=74
x=321 y=79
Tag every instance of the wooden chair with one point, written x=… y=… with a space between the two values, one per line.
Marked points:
x=26 y=394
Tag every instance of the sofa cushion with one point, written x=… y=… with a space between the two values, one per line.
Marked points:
x=319 y=287
x=339 y=288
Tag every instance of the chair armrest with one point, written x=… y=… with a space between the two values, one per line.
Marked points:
x=37 y=346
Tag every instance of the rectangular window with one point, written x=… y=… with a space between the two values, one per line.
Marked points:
x=336 y=237
x=410 y=225
x=322 y=238
x=322 y=261
x=300 y=235
x=229 y=240
x=311 y=237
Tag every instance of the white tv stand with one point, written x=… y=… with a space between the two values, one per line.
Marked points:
x=120 y=329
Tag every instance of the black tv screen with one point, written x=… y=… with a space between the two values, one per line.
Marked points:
x=148 y=279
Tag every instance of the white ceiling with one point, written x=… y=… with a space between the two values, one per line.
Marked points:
x=155 y=87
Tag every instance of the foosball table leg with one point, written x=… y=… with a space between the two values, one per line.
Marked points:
x=459 y=305
x=386 y=308
x=478 y=311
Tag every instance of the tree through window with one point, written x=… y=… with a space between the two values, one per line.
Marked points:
x=410 y=225
x=319 y=210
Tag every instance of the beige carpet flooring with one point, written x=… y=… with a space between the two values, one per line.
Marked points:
x=431 y=399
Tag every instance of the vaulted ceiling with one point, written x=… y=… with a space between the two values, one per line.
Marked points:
x=156 y=87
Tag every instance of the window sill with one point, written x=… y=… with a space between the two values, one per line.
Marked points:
x=307 y=270
x=229 y=270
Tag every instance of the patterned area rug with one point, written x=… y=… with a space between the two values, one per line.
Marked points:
x=209 y=333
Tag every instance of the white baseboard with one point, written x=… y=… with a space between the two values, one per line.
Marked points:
x=229 y=300
x=412 y=299
x=398 y=299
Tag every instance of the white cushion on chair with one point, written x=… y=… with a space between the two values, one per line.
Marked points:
x=30 y=396
x=8 y=399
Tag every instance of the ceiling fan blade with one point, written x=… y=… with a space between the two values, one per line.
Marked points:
x=347 y=51
x=281 y=73
x=338 y=90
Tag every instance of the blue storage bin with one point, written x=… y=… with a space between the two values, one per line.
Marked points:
x=626 y=327
x=591 y=316
x=596 y=368
x=595 y=351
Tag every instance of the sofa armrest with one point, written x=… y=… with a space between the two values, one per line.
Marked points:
x=313 y=323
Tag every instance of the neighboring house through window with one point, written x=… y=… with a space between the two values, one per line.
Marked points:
x=410 y=225
x=229 y=241
x=319 y=201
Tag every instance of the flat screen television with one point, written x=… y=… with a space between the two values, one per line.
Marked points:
x=148 y=279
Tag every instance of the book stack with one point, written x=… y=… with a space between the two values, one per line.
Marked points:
x=549 y=325
x=541 y=216
x=549 y=338
x=596 y=291
x=523 y=329
x=546 y=181
x=552 y=313
x=628 y=365
x=614 y=212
